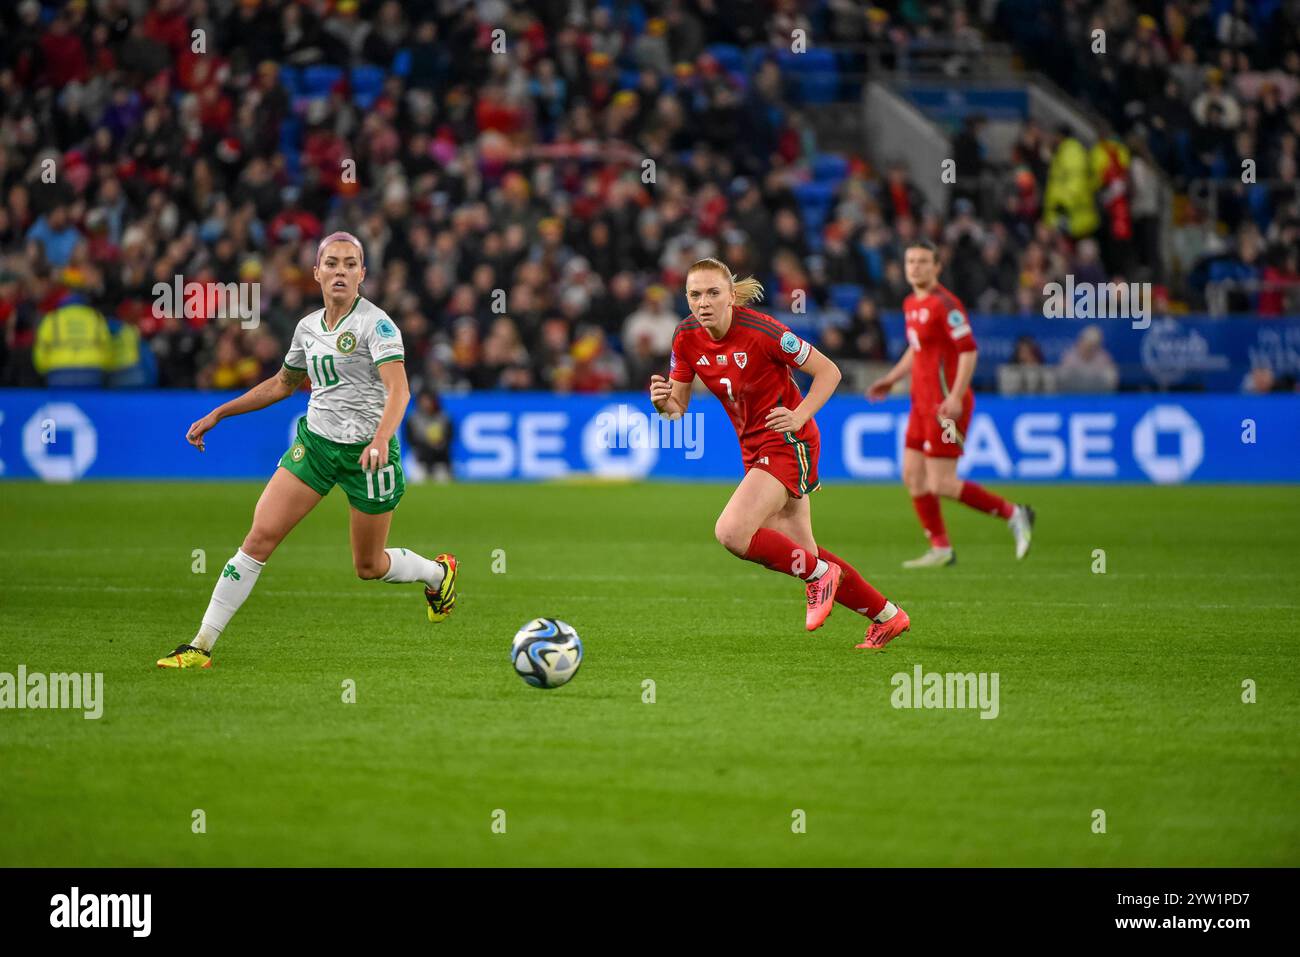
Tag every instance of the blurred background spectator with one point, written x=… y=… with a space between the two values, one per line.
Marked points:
x=1026 y=373
x=1087 y=366
x=428 y=431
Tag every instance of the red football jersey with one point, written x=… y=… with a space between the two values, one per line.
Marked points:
x=748 y=369
x=938 y=330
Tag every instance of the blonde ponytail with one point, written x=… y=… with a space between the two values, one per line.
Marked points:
x=747 y=290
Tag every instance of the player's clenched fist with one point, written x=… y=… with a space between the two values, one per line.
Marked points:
x=661 y=390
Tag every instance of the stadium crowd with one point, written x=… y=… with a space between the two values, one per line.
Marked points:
x=529 y=200
x=1207 y=90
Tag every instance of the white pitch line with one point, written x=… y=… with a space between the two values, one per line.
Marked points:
x=387 y=595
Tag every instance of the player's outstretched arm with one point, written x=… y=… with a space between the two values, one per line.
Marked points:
x=259 y=396
x=880 y=388
x=669 y=397
x=826 y=377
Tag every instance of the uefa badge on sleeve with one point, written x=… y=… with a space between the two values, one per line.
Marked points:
x=796 y=347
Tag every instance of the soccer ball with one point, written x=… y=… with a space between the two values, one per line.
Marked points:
x=546 y=652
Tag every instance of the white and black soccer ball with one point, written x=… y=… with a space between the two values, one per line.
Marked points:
x=546 y=652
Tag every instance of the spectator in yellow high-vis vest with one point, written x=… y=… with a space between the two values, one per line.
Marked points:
x=1070 y=199
x=131 y=363
x=73 y=348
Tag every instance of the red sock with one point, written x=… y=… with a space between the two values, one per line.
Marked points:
x=855 y=591
x=773 y=550
x=978 y=497
x=927 y=510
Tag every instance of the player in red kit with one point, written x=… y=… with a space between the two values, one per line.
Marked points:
x=941 y=357
x=744 y=358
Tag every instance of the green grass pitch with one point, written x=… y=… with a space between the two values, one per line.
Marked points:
x=1119 y=691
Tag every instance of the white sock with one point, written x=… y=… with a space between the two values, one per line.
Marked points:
x=236 y=581
x=406 y=566
x=886 y=613
x=819 y=571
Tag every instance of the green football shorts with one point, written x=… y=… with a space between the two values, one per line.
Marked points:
x=322 y=464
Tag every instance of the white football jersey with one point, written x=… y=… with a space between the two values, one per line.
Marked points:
x=347 y=395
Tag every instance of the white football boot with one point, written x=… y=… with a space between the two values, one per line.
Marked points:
x=1022 y=527
x=934 y=558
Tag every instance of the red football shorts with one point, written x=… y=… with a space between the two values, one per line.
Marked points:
x=927 y=434
x=794 y=463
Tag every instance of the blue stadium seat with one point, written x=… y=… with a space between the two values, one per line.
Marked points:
x=802 y=324
x=402 y=63
x=755 y=56
x=292 y=157
x=819 y=87
x=290 y=79
x=814 y=196
x=1261 y=207
x=367 y=83
x=1224 y=269
x=789 y=62
x=1261 y=11
x=875 y=262
x=729 y=56
x=819 y=76
x=829 y=168
x=317 y=80
x=635 y=18
x=628 y=79
x=845 y=295
x=290 y=133
x=814 y=74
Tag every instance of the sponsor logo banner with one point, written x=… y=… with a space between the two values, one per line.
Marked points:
x=78 y=435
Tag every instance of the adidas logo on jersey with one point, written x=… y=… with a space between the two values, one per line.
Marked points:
x=702 y=361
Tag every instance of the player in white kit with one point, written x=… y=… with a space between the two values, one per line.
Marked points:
x=352 y=352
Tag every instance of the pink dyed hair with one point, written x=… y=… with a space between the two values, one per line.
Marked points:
x=339 y=237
